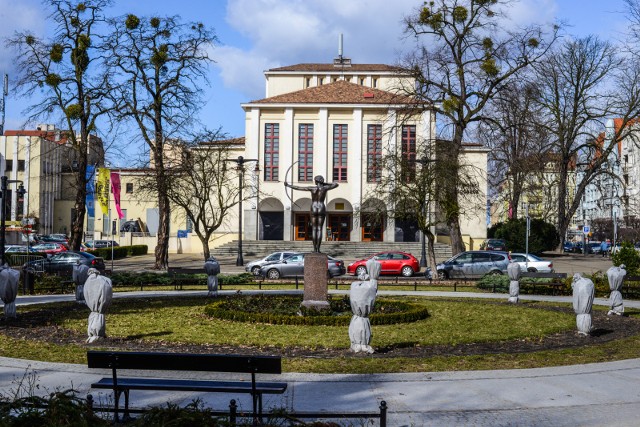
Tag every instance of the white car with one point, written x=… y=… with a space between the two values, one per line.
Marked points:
x=532 y=263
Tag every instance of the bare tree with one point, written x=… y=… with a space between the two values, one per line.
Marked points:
x=464 y=60
x=64 y=69
x=201 y=185
x=582 y=84
x=160 y=64
x=518 y=144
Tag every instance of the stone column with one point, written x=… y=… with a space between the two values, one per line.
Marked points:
x=315 y=281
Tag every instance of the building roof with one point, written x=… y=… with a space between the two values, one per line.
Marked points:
x=362 y=68
x=340 y=92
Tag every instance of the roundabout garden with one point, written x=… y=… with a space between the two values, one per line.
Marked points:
x=410 y=334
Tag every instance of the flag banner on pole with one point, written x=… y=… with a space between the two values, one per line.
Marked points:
x=89 y=201
x=102 y=188
x=115 y=190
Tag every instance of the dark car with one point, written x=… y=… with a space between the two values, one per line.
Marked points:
x=398 y=263
x=472 y=264
x=294 y=266
x=62 y=263
x=568 y=246
x=52 y=238
x=494 y=245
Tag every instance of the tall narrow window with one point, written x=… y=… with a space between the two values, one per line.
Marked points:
x=340 y=133
x=408 y=152
x=305 y=152
x=271 y=151
x=374 y=153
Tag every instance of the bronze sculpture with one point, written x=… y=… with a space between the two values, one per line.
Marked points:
x=318 y=208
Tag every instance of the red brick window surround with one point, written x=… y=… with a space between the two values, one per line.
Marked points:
x=340 y=142
x=374 y=153
x=271 y=151
x=305 y=152
x=408 y=152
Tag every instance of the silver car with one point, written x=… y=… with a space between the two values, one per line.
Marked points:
x=472 y=265
x=254 y=266
x=294 y=266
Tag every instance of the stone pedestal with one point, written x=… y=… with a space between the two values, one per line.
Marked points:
x=315 y=281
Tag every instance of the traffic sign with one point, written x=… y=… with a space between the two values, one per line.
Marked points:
x=586 y=229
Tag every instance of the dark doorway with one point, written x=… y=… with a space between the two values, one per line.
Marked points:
x=303 y=226
x=407 y=230
x=339 y=227
x=372 y=227
x=272 y=225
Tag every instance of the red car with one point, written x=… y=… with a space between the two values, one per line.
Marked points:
x=50 y=248
x=398 y=263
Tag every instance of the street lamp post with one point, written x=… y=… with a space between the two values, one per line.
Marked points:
x=4 y=181
x=240 y=161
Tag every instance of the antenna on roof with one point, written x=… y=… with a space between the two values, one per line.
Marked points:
x=341 y=61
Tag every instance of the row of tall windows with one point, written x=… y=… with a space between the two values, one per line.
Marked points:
x=340 y=151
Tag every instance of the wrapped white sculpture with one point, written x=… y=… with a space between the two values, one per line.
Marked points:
x=79 y=276
x=212 y=268
x=616 y=279
x=9 y=279
x=513 y=270
x=97 y=294
x=583 y=293
x=363 y=297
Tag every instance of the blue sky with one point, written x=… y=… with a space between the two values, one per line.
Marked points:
x=255 y=35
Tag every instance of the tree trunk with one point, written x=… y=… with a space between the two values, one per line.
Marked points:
x=457 y=244
x=431 y=250
x=162 y=248
x=77 y=225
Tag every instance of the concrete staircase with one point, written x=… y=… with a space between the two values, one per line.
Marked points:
x=254 y=249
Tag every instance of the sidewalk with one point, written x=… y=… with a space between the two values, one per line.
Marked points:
x=604 y=394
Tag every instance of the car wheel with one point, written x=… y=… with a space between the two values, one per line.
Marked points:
x=442 y=275
x=407 y=271
x=273 y=274
x=532 y=270
x=361 y=270
x=255 y=270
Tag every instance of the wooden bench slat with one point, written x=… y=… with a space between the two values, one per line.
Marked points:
x=191 y=385
x=185 y=362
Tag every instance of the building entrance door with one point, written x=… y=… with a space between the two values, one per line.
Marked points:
x=303 y=226
x=272 y=225
x=372 y=227
x=339 y=227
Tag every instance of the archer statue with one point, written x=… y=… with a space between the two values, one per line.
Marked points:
x=318 y=208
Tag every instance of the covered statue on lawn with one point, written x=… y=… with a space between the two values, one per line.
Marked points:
x=98 y=294
x=363 y=297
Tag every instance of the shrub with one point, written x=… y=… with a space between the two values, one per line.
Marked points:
x=118 y=252
x=542 y=237
x=628 y=256
x=498 y=282
x=137 y=250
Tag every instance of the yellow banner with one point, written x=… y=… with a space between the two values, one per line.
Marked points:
x=102 y=189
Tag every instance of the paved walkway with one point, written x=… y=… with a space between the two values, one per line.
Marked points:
x=604 y=394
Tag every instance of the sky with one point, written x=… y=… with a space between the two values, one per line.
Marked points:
x=256 y=35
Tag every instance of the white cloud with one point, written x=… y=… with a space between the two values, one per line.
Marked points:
x=18 y=16
x=526 y=12
x=286 y=32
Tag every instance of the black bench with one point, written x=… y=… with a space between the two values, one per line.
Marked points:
x=174 y=272
x=253 y=365
x=555 y=285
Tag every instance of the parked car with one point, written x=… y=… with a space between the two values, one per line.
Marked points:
x=62 y=263
x=254 y=266
x=392 y=263
x=50 y=248
x=294 y=266
x=494 y=245
x=97 y=244
x=568 y=246
x=18 y=249
x=532 y=263
x=52 y=238
x=471 y=265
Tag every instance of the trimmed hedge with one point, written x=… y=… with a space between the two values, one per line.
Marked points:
x=120 y=252
x=150 y=279
x=386 y=312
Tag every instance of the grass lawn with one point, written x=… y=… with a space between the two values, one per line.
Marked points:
x=167 y=321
